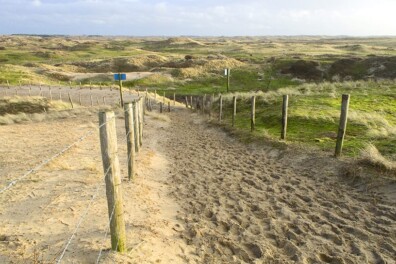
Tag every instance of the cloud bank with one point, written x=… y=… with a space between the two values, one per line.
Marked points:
x=206 y=18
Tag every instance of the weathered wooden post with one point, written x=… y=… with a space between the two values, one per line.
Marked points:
x=343 y=124
x=234 y=104
x=228 y=79
x=104 y=100
x=70 y=85
x=111 y=168
x=169 y=107
x=80 y=85
x=220 y=108
x=174 y=99
x=161 y=107
x=136 y=125
x=186 y=102
x=97 y=100
x=50 y=93
x=140 y=121
x=130 y=135
x=253 y=114
x=191 y=102
x=90 y=96
x=284 y=116
x=163 y=98
x=155 y=95
x=70 y=100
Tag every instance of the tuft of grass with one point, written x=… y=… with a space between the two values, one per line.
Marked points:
x=372 y=156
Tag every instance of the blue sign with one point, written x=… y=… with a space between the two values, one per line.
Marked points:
x=118 y=75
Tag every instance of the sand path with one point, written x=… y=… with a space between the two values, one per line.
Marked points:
x=253 y=204
x=200 y=196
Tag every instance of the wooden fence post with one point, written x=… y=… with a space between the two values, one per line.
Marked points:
x=104 y=100
x=191 y=102
x=141 y=116
x=70 y=100
x=186 y=102
x=161 y=107
x=234 y=104
x=220 y=108
x=136 y=125
x=253 y=114
x=90 y=96
x=130 y=135
x=174 y=99
x=111 y=167
x=60 y=95
x=285 y=105
x=50 y=93
x=343 y=124
x=169 y=107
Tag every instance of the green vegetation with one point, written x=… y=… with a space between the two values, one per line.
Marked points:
x=314 y=71
x=314 y=113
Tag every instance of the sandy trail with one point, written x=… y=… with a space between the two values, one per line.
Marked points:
x=253 y=204
x=199 y=196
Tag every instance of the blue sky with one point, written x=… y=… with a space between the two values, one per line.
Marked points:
x=200 y=18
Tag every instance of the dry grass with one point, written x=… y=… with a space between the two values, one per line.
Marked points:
x=372 y=156
x=158 y=116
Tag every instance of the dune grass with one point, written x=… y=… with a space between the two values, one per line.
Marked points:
x=314 y=115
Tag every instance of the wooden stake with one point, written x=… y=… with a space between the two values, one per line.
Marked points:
x=174 y=99
x=104 y=100
x=169 y=107
x=234 y=103
x=90 y=96
x=191 y=102
x=50 y=93
x=186 y=102
x=221 y=108
x=111 y=168
x=130 y=135
x=136 y=125
x=161 y=107
x=284 y=116
x=343 y=124
x=70 y=100
x=253 y=114
x=140 y=107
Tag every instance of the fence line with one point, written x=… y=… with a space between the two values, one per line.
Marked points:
x=139 y=114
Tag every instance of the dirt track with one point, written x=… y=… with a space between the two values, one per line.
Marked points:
x=200 y=196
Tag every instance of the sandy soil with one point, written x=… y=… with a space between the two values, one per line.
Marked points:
x=200 y=196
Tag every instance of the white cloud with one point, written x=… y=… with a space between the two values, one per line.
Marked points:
x=36 y=3
x=205 y=17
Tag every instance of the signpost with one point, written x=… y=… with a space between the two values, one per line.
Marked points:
x=120 y=77
x=227 y=72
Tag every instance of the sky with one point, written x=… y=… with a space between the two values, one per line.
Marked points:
x=199 y=18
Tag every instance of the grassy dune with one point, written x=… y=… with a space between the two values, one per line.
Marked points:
x=314 y=111
x=314 y=71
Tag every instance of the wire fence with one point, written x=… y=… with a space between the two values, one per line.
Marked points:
x=138 y=107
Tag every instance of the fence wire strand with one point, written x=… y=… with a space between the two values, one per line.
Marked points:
x=45 y=162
